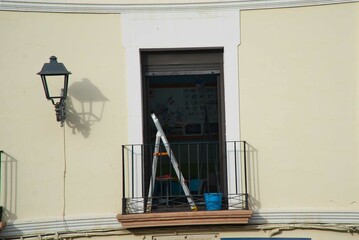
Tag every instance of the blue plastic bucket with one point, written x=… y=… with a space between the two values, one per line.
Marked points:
x=213 y=201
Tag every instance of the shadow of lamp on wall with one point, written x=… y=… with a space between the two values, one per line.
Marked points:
x=90 y=98
x=85 y=106
x=55 y=77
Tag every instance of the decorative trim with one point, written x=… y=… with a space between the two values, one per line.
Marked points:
x=110 y=222
x=73 y=6
x=51 y=226
x=305 y=217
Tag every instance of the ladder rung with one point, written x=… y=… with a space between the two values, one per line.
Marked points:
x=160 y=154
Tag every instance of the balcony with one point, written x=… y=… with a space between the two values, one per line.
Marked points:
x=198 y=183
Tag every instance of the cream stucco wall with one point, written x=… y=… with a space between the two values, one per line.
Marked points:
x=298 y=109
x=35 y=145
x=299 y=105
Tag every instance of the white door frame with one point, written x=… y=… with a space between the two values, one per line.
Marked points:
x=175 y=30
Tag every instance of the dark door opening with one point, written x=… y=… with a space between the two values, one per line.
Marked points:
x=185 y=91
x=186 y=105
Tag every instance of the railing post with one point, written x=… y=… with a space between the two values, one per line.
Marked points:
x=123 y=182
x=132 y=172
x=142 y=152
x=245 y=173
x=235 y=165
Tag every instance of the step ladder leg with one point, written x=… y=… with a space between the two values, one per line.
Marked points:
x=181 y=179
x=154 y=169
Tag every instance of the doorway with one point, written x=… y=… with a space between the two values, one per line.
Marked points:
x=184 y=89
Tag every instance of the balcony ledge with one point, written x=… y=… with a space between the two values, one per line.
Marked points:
x=184 y=218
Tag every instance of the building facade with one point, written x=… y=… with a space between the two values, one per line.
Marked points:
x=258 y=99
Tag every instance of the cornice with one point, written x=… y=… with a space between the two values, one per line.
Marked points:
x=75 y=224
x=302 y=217
x=90 y=6
x=109 y=222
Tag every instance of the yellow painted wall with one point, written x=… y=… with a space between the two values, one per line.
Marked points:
x=35 y=145
x=299 y=96
x=299 y=105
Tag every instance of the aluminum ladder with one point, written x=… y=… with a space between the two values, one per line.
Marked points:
x=160 y=135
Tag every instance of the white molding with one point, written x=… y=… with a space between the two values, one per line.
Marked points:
x=109 y=222
x=58 y=225
x=305 y=217
x=88 y=6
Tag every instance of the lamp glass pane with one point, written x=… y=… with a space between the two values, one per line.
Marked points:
x=55 y=85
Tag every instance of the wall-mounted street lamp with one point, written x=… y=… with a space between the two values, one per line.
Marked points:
x=55 y=78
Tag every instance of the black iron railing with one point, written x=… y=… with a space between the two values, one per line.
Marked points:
x=214 y=173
